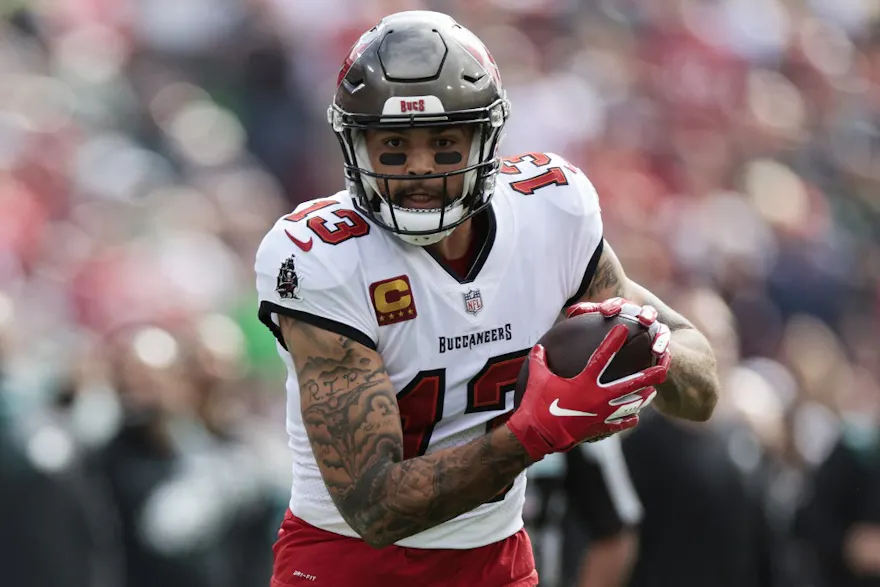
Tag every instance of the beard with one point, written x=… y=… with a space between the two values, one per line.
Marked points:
x=410 y=192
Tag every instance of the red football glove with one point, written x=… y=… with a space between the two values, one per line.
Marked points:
x=557 y=413
x=646 y=316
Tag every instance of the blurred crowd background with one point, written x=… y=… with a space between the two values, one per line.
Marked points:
x=147 y=145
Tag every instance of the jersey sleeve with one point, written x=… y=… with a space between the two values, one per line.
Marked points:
x=583 y=229
x=312 y=281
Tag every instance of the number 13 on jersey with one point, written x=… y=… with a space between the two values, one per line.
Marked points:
x=527 y=187
x=421 y=401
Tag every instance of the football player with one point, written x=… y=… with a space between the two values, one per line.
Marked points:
x=405 y=306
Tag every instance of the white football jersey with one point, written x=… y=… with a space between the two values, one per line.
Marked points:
x=452 y=347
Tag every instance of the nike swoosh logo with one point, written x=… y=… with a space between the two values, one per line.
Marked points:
x=557 y=411
x=306 y=246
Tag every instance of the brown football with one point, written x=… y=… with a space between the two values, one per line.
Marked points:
x=570 y=343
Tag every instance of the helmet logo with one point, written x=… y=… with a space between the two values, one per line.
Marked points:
x=356 y=51
x=478 y=51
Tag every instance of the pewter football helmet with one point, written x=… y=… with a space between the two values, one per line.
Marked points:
x=419 y=69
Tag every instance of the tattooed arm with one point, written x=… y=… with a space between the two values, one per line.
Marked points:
x=350 y=412
x=692 y=386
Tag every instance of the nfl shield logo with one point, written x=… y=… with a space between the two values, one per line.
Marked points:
x=473 y=301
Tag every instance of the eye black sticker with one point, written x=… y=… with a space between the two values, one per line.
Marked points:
x=448 y=158
x=392 y=158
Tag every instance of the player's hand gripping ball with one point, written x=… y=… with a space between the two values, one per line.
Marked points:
x=658 y=333
x=589 y=376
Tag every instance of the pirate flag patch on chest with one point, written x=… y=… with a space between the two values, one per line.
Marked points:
x=287 y=285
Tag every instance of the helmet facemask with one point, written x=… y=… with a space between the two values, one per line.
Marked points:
x=370 y=190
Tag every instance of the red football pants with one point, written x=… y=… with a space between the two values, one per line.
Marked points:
x=309 y=556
